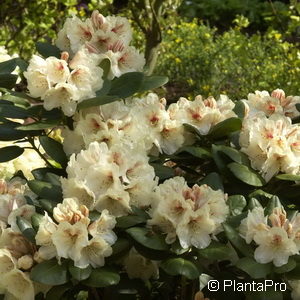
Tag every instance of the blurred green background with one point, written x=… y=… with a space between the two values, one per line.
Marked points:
x=206 y=47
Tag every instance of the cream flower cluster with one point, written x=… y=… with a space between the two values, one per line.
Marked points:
x=75 y=236
x=103 y=37
x=63 y=84
x=277 y=237
x=276 y=103
x=112 y=179
x=272 y=144
x=147 y=122
x=191 y=214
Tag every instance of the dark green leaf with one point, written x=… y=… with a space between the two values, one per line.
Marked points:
x=79 y=273
x=105 y=89
x=196 y=151
x=46 y=49
x=127 y=84
x=253 y=268
x=180 y=266
x=36 y=220
x=225 y=127
x=50 y=272
x=193 y=129
x=46 y=190
x=238 y=242
x=10 y=152
x=163 y=172
x=39 y=125
x=273 y=202
x=246 y=174
x=240 y=109
x=8 y=81
x=22 y=64
x=102 y=277
x=47 y=205
x=129 y=221
x=253 y=202
x=236 y=204
x=12 y=111
x=153 y=82
x=148 y=238
x=105 y=65
x=265 y=295
x=54 y=149
x=291 y=264
x=120 y=247
x=97 y=101
x=216 y=251
x=57 y=292
x=6 y=67
x=26 y=229
x=213 y=180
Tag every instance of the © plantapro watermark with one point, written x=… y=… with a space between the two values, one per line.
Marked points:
x=252 y=286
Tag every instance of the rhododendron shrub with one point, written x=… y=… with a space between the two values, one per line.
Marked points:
x=109 y=192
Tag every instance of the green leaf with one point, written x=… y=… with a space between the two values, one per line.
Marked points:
x=79 y=273
x=121 y=246
x=6 y=67
x=22 y=64
x=127 y=84
x=288 y=177
x=193 y=129
x=240 y=109
x=295 y=273
x=180 y=266
x=10 y=152
x=253 y=202
x=57 y=292
x=39 y=125
x=289 y=266
x=236 y=204
x=196 y=151
x=129 y=221
x=102 y=277
x=36 y=220
x=54 y=149
x=99 y=100
x=16 y=100
x=253 y=268
x=105 y=89
x=46 y=49
x=12 y=111
x=246 y=174
x=46 y=190
x=8 y=81
x=213 y=180
x=216 y=251
x=153 y=82
x=148 y=238
x=26 y=229
x=8 y=132
x=273 y=202
x=105 y=65
x=49 y=272
x=225 y=127
x=47 y=205
x=237 y=241
x=163 y=172
x=298 y=106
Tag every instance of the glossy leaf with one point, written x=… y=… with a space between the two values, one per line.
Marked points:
x=236 y=204
x=96 y=101
x=240 y=109
x=26 y=229
x=127 y=84
x=102 y=277
x=163 y=172
x=196 y=151
x=180 y=266
x=253 y=268
x=10 y=152
x=39 y=125
x=57 y=292
x=129 y=221
x=213 y=180
x=49 y=272
x=46 y=190
x=47 y=49
x=246 y=174
x=6 y=67
x=8 y=81
x=148 y=238
x=215 y=251
x=105 y=65
x=54 y=149
x=36 y=220
x=288 y=177
x=12 y=111
x=153 y=82
x=79 y=273
x=289 y=266
x=225 y=127
x=237 y=241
